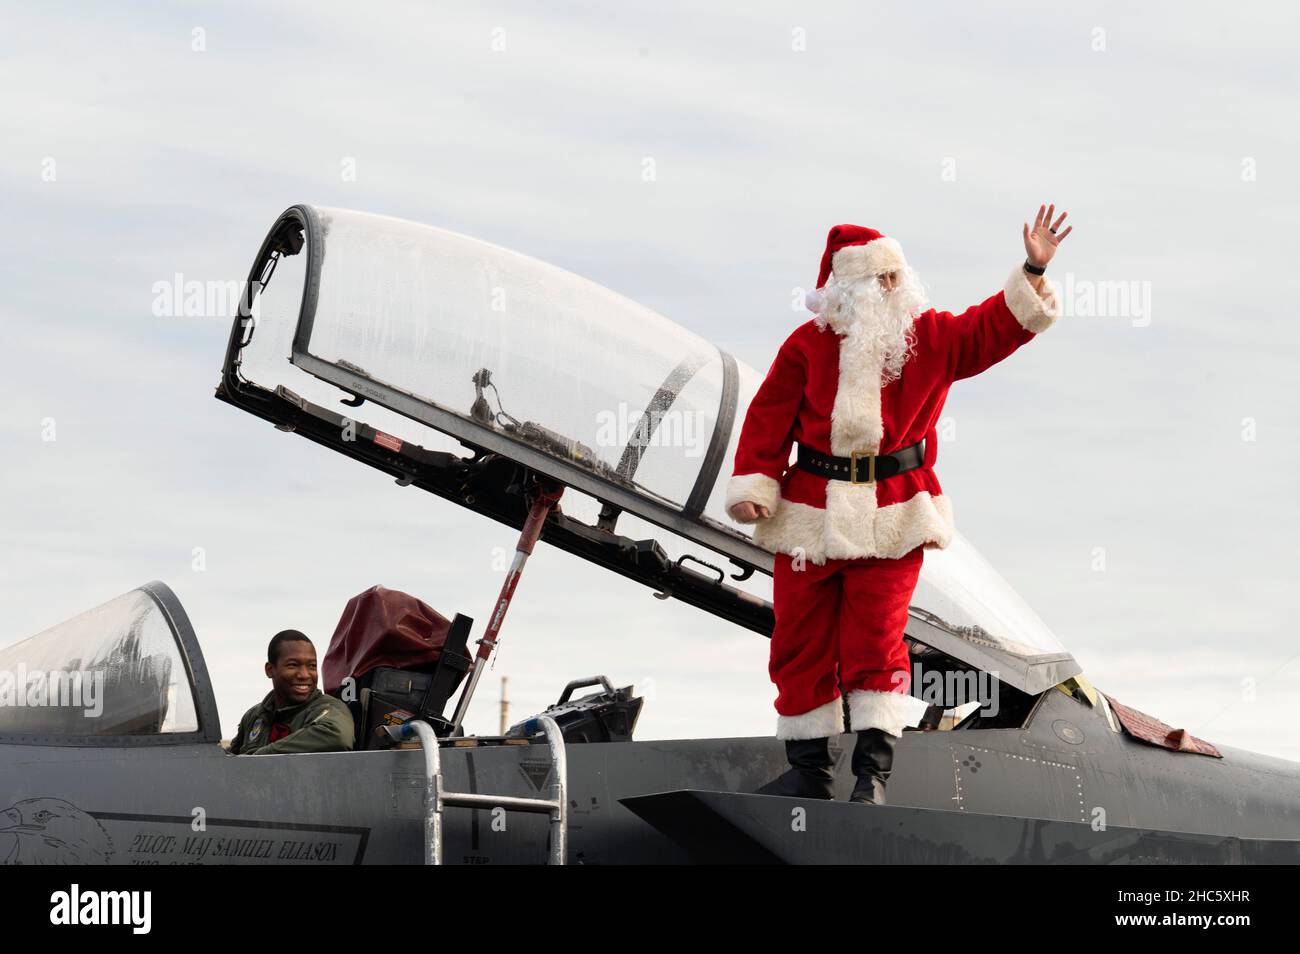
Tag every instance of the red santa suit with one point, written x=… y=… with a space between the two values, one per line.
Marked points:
x=848 y=554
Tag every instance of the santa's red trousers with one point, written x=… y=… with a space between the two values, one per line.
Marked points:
x=840 y=625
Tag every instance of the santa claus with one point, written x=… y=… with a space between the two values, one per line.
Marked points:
x=859 y=389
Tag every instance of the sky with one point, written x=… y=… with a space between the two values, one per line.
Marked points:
x=1130 y=473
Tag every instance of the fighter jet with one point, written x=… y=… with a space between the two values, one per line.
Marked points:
x=554 y=406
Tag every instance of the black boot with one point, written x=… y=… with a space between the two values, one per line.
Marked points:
x=810 y=773
x=873 y=759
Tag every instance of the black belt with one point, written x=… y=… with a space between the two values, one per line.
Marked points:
x=860 y=464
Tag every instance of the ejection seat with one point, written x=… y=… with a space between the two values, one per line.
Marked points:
x=393 y=657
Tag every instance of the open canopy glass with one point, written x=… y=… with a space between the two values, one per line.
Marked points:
x=515 y=357
x=507 y=351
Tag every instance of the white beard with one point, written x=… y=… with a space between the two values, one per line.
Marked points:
x=880 y=322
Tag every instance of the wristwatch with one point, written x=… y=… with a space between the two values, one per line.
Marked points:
x=1034 y=269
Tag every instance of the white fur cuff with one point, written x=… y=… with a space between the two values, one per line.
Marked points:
x=1034 y=312
x=870 y=709
x=758 y=489
x=819 y=723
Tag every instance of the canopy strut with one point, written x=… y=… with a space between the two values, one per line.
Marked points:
x=546 y=495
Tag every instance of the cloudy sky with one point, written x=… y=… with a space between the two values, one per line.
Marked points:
x=1131 y=472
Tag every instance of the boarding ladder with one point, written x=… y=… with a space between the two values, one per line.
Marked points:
x=436 y=798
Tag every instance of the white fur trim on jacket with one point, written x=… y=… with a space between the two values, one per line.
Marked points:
x=863 y=261
x=855 y=416
x=870 y=709
x=756 y=488
x=820 y=723
x=853 y=526
x=1034 y=312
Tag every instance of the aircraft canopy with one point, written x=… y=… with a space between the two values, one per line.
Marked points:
x=126 y=672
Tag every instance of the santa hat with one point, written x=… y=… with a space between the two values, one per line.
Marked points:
x=854 y=252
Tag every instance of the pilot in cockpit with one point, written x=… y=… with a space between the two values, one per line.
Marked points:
x=295 y=716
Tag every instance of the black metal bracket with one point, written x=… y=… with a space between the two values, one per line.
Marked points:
x=494 y=486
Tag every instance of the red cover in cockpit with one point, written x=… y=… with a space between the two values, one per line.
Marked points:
x=383 y=627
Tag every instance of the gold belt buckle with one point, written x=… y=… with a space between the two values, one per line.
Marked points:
x=853 y=467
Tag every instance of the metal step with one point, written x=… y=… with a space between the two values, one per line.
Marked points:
x=436 y=798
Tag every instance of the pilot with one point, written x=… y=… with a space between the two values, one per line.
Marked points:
x=860 y=388
x=295 y=716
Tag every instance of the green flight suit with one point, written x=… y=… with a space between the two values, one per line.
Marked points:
x=321 y=724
